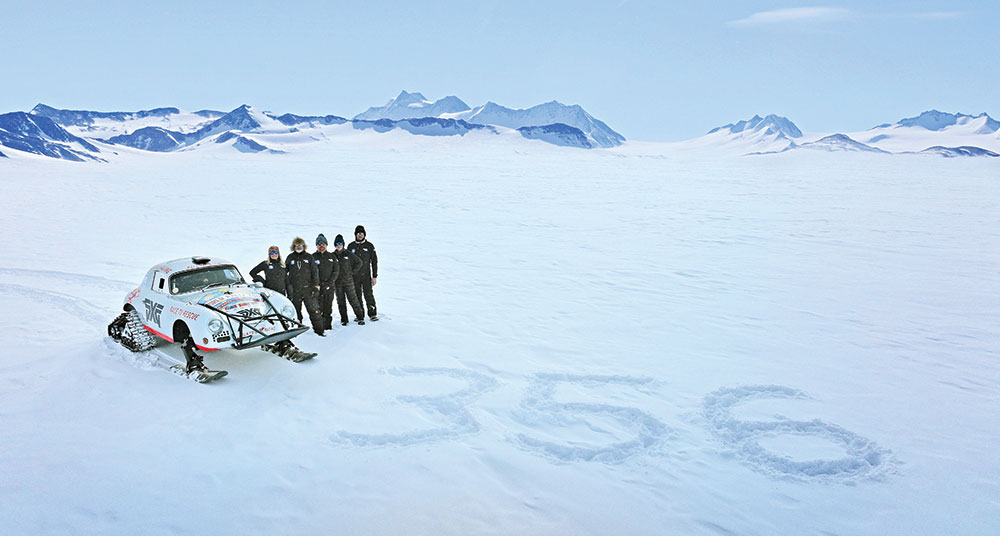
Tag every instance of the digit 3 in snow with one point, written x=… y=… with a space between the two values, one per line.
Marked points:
x=451 y=408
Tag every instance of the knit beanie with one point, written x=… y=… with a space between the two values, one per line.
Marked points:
x=321 y=239
x=339 y=241
x=360 y=229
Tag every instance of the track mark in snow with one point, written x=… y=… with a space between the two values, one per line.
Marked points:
x=69 y=276
x=540 y=409
x=86 y=312
x=864 y=459
x=148 y=360
x=451 y=408
x=90 y=314
x=77 y=307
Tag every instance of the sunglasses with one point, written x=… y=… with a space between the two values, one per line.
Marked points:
x=272 y=252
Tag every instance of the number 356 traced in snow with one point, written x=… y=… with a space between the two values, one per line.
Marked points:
x=539 y=409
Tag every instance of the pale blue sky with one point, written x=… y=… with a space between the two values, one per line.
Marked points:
x=651 y=70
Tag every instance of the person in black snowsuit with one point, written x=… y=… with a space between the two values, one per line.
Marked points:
x=273 y=271
x=303 y=283
x=329 y=269
x=350 y=264
x=366 y=278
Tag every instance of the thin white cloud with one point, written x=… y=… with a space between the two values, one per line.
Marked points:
x=829 y=14
x=793 y=14
x=936 y=15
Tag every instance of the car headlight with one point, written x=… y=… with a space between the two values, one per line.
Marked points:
x=215 y=325
x=287 y=311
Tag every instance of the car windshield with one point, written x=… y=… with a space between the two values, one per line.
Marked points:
x=204 y=278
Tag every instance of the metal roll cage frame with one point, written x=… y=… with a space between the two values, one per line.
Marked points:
x=292 y=328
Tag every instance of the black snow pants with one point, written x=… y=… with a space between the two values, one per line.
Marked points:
x=346 y=290
x=363 y=288
x=326 y=296
x=305 y=296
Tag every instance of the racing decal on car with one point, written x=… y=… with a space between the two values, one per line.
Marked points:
x=249 y=313
x=132 y=295
x=153 y=311
x=231 y=301
x=184 y=313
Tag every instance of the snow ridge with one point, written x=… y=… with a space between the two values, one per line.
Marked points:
x=952 y=152
x=771 y=125
x=549 y=113
x=936 y=120
x=838 y=142
x=557 y=134
x=40 y=135
x=84 y=117
x=242 y=119
x=413 y=105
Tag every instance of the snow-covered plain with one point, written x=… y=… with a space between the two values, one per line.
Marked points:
x=628 y=341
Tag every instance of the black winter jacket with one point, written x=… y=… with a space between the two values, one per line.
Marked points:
x=274 y=275
x=328 y=267
x=350 y=265
x=302 y=270
x=369 y=260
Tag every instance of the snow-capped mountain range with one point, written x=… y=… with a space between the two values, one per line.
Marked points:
x=85 y=135
x=413 y=105
x=95 y=136
x=932 y=132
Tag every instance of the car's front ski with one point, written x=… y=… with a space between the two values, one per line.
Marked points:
x=200 y=376
x=288 y=350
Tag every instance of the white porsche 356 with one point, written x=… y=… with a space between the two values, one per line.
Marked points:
x=205 y=303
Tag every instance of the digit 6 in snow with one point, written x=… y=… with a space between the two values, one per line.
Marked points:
x=864 y=459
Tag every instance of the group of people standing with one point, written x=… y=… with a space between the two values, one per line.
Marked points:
x=315 y=279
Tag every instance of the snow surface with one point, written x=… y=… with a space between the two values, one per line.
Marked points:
x=628 y=341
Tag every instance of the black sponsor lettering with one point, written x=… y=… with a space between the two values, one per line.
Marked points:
x=153 y=311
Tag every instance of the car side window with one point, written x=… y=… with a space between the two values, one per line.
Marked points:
x=159 y=282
